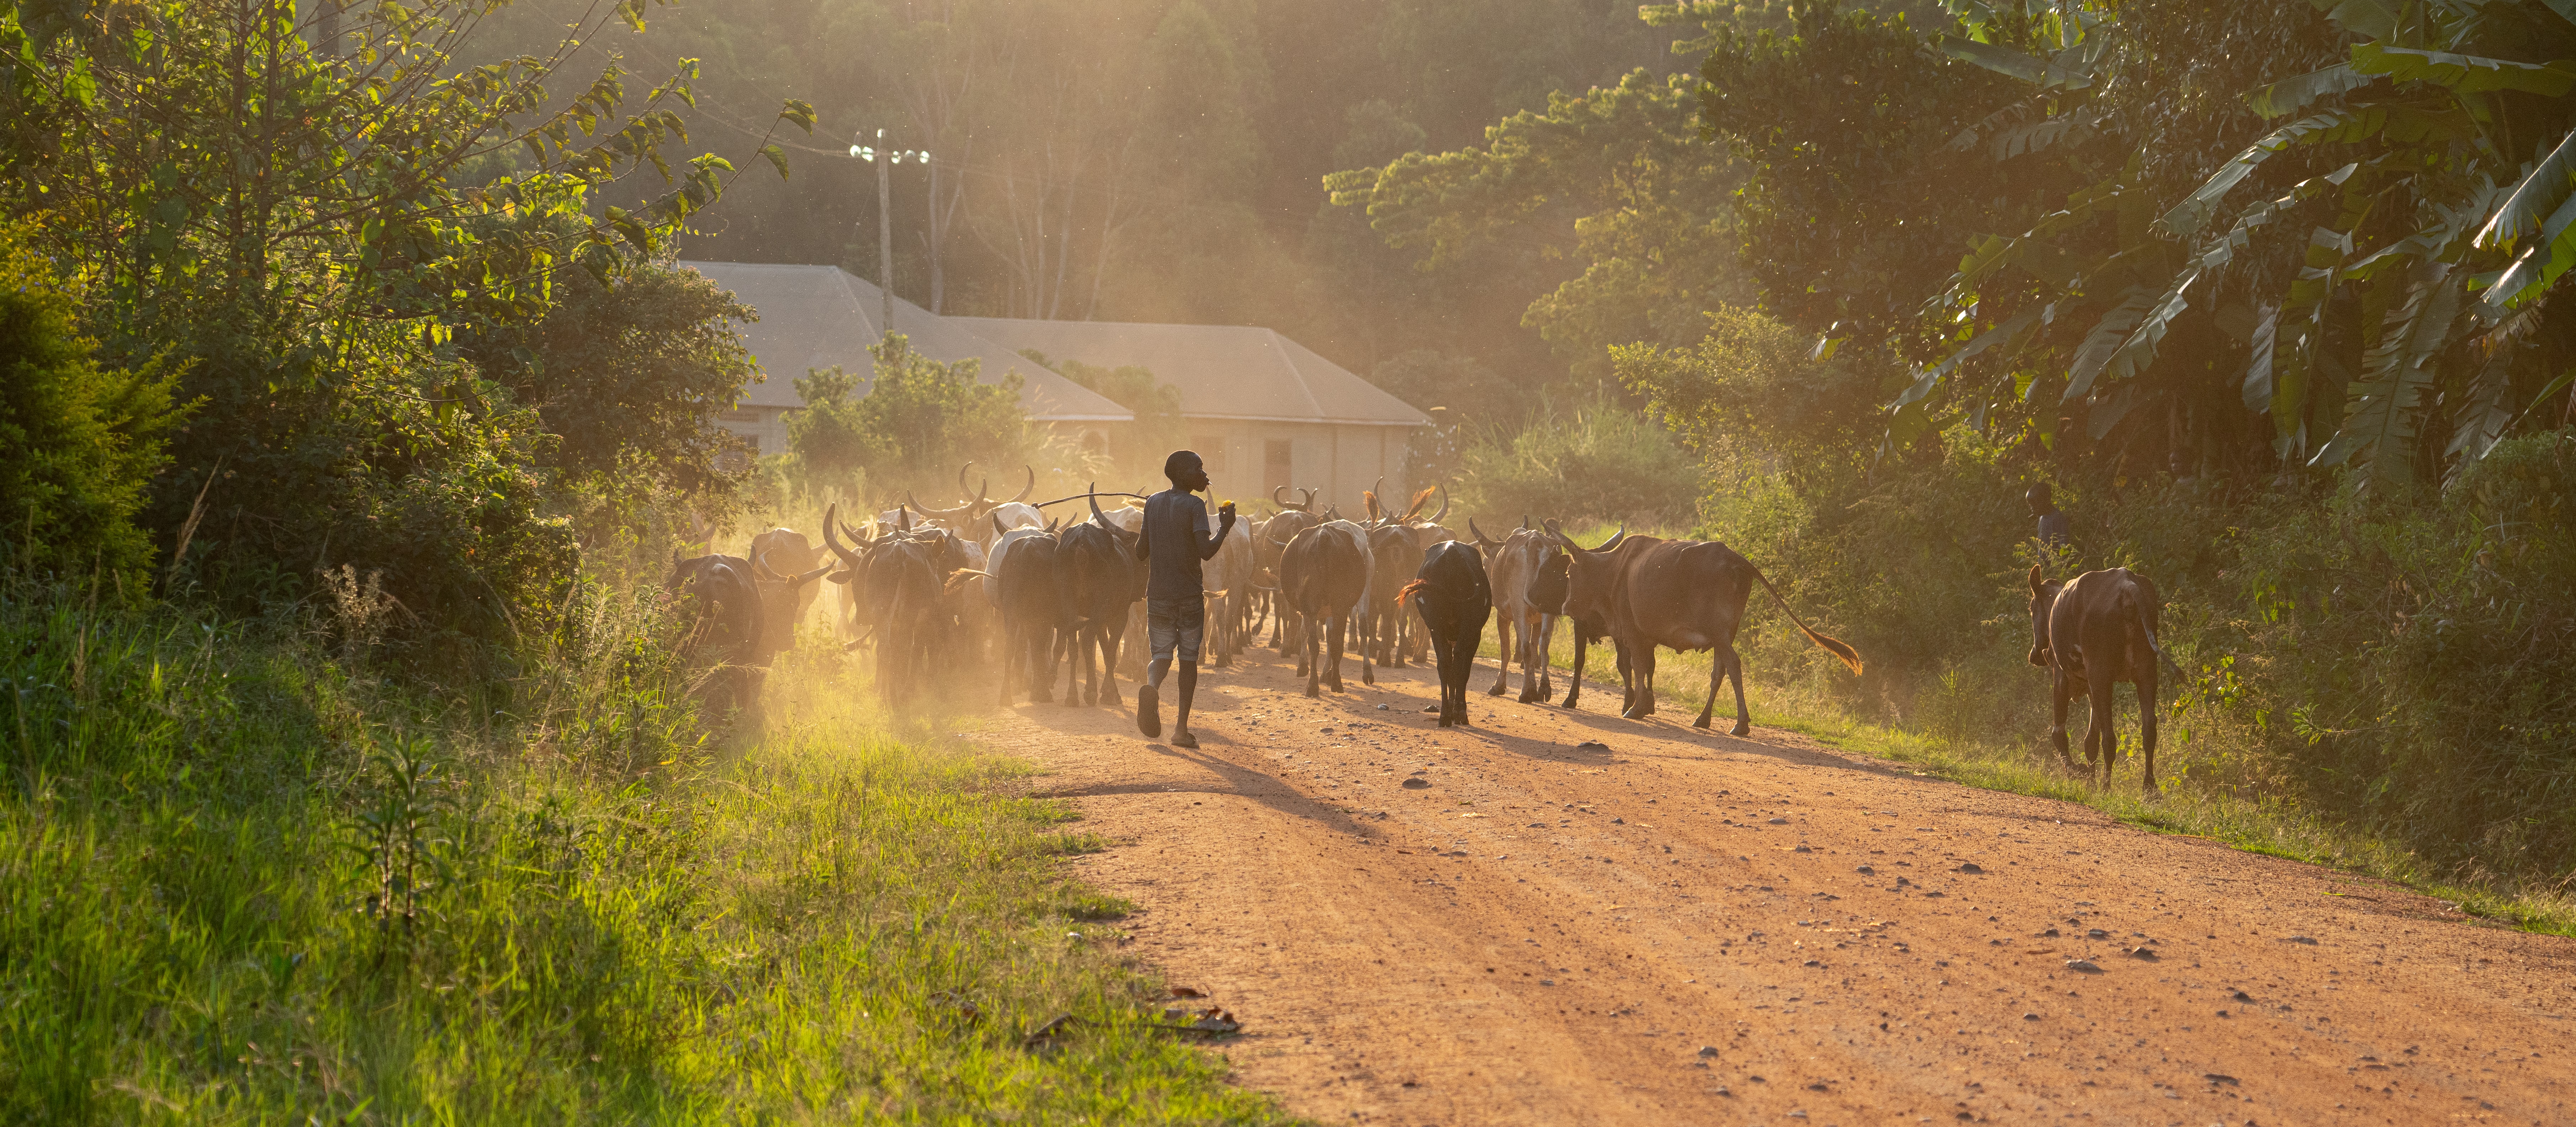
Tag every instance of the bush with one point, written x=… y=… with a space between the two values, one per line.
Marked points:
x=1601 y=461
x=919 y=420
x=79 y=443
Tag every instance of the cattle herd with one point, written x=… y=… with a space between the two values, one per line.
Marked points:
x=997 y=584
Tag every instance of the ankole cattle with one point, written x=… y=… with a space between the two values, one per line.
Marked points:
x=1323 y=582
x=2091 y=634
x=785 y=565
x=1452 y=595
x=721 y=604
x=1096 y=565
x=1679 y=594
x=1227 y=579
x=906 y=587
x=1548 y=592
x=1014 y=513
x=1276 y=534
x=1395 y=554
x=1028 y=590
x=1520 y=626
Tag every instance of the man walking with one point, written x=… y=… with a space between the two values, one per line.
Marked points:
x=2054 y=531
x=1174 y=542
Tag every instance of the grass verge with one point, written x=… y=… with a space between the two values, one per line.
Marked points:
x=2180 y=804
x=240 y=882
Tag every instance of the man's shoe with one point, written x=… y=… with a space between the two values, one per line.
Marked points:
x=1181 y=737
x=1149 y=711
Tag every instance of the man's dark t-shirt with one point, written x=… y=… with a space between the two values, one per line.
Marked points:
x=1174 y=541
x=2054 y=529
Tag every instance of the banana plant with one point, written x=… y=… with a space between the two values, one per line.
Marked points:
x=2440 y=215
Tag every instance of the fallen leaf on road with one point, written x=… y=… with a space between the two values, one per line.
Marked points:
x=2218 y=1078
x=2142 y=953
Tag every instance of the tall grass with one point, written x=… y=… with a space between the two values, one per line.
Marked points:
x=245 y=880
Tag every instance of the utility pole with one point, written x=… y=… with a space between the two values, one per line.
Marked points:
x=880 y=156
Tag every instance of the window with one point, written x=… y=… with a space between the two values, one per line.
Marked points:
x=1275 y=465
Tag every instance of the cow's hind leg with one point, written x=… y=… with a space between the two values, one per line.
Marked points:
x=1310 y=664
x=2102 y=729
x=2147 y=723
x=1337 y=633
x=1735 y=674
x=1503 y=655
x=1716 y=681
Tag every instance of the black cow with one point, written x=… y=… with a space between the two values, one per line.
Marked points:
x=1096 y=565
x=1453 y=598
x=1549 y=591
x=1029 y=587
x=1324 y=579
x=722 y=603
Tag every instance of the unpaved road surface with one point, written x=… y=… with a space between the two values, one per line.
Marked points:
x=1682 y=927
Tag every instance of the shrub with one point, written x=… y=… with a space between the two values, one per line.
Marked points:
x=79 y=442
x=919 y=420
x=1600 y=461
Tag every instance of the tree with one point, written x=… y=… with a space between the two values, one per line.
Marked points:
x=79 y=443
x=306 y=231
x=627 y=378
x=919 y=419
x=1617 y=179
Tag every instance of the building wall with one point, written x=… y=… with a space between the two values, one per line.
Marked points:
x=766 y=427
x=1338 y=461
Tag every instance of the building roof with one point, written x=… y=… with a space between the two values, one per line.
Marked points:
x=818 y=316
x=1221 y=371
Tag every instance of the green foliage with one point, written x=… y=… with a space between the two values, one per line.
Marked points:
x=1599 y=460
x=918 y=418
x=79 y=443
x=2375 y=297
x=625 y=374
x=304 y=234
x=605 y=924
x=1616 y=177
x=1751 y=379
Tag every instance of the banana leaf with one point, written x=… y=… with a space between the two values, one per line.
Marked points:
x=2382 y=419
x=2464 y=74
x=2290 y=95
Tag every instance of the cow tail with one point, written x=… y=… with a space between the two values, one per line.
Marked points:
x=1410 y=591
x=1829 y=644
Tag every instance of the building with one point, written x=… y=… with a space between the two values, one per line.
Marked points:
x=1263 y=410
x=819 y=316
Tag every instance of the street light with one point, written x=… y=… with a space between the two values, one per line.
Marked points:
x=880 y=156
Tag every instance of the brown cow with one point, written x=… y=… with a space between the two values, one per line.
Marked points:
x=2091 y=634
x=1679 y=594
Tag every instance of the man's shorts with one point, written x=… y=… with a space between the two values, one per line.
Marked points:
x=1171 y=623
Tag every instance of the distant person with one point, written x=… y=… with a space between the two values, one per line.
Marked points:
x=1175 y=540
x=2055 y=533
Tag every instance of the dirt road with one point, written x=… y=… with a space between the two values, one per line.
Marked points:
x=1676 y=926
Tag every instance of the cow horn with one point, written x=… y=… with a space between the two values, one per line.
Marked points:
x=760 y=568
x=1025 y=490
x=961 y=480
x=997 y=523
x=1481 y=540
x=831 y=517
x=1275 y=499
x=795 y=581
x=1093 y=497
x=1309 y=494
x=1560 y=535
x=1525 y=520
x=1614 y=539
x=1443 y=514
x=902 y=519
